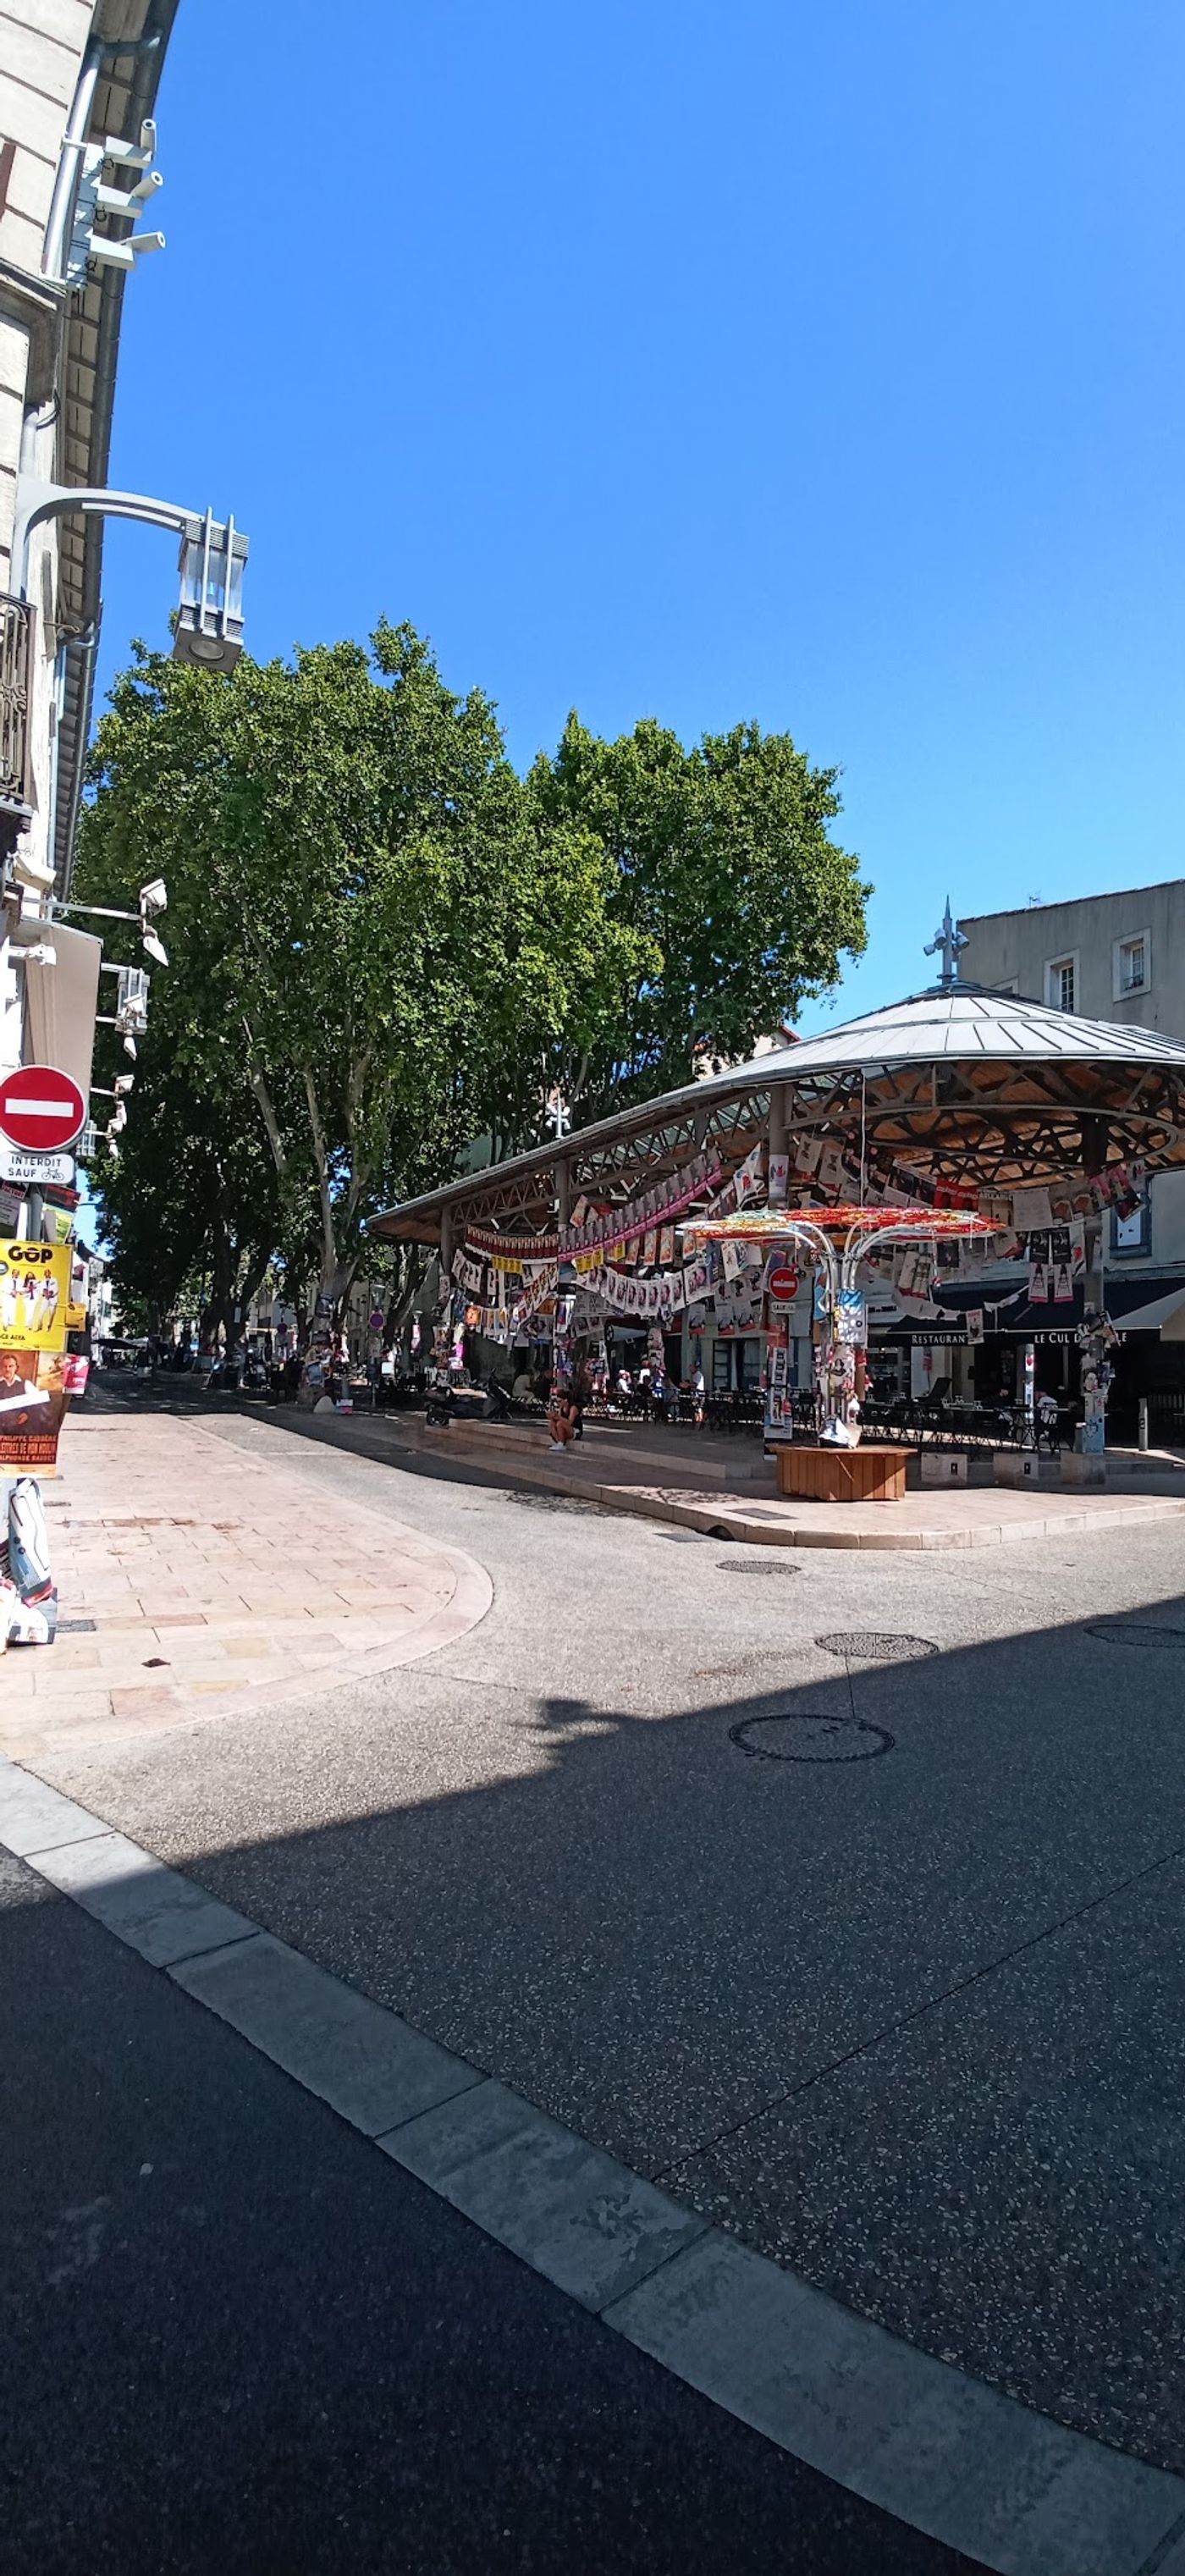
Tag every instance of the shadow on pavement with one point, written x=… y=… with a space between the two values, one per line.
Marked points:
x=882 y=1967
x=239 y=2341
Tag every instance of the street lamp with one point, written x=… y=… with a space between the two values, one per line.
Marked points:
x=208 y=628
x=130 y=1017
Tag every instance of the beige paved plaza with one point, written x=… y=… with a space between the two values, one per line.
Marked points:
x=217 y=1584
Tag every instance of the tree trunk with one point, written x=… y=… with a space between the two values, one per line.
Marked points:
x=248 y=1288
x=219 y=1315
x=403 y=1297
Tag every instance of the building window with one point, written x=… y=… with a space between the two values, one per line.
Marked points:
x=1061 y=982
x=1131 y=965
x=1131 y=1235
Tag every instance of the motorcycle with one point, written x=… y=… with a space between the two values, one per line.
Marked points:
x=438 y=1408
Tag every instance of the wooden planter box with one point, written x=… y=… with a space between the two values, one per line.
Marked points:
x=817 y=1474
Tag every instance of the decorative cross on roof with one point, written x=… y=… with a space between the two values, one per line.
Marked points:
x=559 y=1116
x=946 y=943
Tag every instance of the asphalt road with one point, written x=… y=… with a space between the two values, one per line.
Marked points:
x=238 y=2338
x=910 y=2022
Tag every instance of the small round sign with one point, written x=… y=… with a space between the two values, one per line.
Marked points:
x=41 y=1109
x=783 y=1285
x=377 y=1320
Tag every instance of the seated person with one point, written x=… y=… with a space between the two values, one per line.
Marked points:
x=563 y=1419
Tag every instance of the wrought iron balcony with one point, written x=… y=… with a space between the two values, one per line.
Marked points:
x=16 y=663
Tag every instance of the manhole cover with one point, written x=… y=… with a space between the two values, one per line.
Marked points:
x=875 y=1645
x=751 y=1565
x=75 y=1627
x=1136 y=1632
x=810 y=1738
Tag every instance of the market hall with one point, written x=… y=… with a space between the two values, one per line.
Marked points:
x=967 y=1145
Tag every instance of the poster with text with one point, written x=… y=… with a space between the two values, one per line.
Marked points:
x=34 y=1295
x=33 y=1400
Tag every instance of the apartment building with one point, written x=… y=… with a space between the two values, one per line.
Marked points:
x=78 y=83
x=1121 y=958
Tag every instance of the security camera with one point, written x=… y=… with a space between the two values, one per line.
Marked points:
x=129 y=1048
x=123 y=1082
x=154 y=897
x=137 y=155
x=156 y=948
x=118 y=1120
x=41 y=955
x=103 y=251
x=128 y=201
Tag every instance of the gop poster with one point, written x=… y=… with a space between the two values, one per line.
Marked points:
x=36 y=1376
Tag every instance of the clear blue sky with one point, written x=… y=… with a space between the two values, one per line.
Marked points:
x=813 y=360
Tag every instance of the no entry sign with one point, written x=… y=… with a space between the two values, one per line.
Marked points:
x=783 y=1285
x=41 y=1109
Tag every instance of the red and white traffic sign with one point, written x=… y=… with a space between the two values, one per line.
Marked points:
x=41 y=1109
x=783 y=1285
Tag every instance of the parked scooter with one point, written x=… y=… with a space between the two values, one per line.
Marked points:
x=438 y=1408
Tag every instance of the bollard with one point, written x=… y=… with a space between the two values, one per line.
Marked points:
x=1142 y=1435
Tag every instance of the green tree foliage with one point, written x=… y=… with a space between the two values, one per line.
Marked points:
x=723 y=864
x=385 y=944
x=377 y=932
x=191 y=1209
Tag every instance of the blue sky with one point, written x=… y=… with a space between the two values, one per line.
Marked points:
x=819 y=363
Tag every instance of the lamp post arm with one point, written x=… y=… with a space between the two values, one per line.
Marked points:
x=37 y=501
x=99 y=912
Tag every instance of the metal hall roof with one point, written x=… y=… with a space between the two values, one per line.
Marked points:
x=953 y=1020
x=957 y=1081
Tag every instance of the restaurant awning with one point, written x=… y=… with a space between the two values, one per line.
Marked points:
x=1130 y=1308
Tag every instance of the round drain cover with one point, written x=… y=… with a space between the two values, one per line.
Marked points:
x=875 y=1645
x=810 y=1738
x=1136 y=1632
x=752 y=1565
